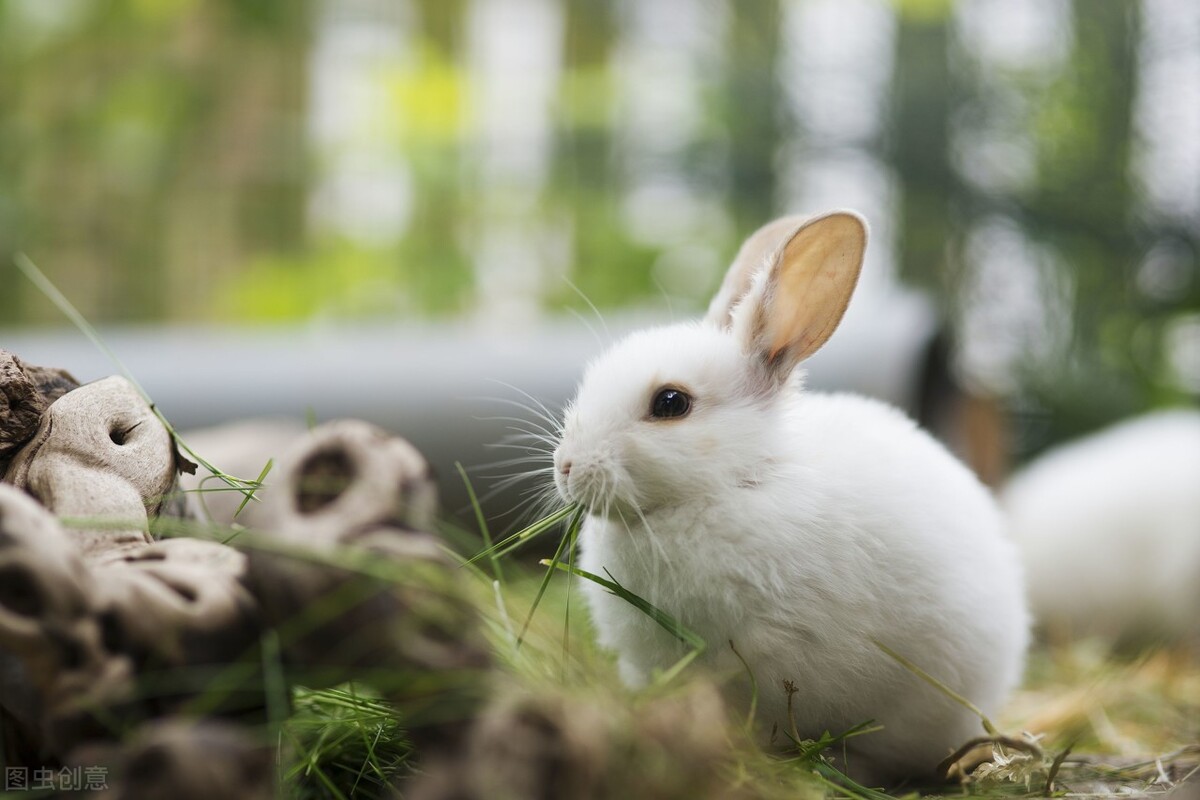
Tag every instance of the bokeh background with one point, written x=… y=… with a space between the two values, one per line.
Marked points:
x=1033 y=165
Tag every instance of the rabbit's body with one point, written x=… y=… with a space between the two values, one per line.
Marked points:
x=804 y=594
x=1109 y=526
x=806 y=529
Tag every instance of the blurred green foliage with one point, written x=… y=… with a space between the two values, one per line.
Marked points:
x=160 y=160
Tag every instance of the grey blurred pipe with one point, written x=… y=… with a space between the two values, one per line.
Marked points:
x=431 y=382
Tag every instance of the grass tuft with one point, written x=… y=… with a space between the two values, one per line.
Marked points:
x=343 y=742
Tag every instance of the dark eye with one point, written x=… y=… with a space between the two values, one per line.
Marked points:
x=670 y=403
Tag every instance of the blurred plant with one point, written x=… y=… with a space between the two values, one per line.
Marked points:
x=279 y=161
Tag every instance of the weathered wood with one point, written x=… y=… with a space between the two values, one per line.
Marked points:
x=179 y=603
x=348 y=477
x=53 y=656
x=551 y=743
x=26 y=391
x=184 y=760
x=92 y=609
x=21 y=406
x=77 y=635
x=101 y=457
x=387 y=599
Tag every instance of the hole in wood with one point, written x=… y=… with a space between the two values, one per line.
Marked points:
x=119 y=433
x=112 y=635
x=19 y=593
x=323 y=477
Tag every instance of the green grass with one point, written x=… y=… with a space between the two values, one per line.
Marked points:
x=1103 y=724
x=1115 y=717
x=342 y=742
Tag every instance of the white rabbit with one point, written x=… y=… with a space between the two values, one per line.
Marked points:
x=804 y=528
x=1109 y=527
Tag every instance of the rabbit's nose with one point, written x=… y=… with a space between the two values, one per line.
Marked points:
x=565 y=468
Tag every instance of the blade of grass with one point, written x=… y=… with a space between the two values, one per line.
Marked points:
x=275 y=689
x=941 y=687
x=214 y=489
x=502 y=611
x=326 y=781
x=753 y=686
x=836 y=779
x=369 y=743
x=497 y=571
x=566 y=543
x=566 y=649
x=665 y=677
x=258 y=483
x=1055 y=766
x=345 y=738
x=668 y=623
x=47 y=287
x=812 y=754
x=809 y=749
x=510 y=543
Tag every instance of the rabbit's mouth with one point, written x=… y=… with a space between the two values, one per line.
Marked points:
x=596 y=490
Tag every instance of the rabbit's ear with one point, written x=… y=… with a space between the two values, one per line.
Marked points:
x=794 y=305
x=752 y=258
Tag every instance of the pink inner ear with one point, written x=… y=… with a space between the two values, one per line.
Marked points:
x=816 y=275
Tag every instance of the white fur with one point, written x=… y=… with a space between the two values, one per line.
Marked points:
x=1109 y=527
x=802 y=527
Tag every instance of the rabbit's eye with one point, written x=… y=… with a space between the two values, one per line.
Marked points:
x=669 y=403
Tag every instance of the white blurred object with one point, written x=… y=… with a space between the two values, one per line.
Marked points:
x=241 y=449
x=1109 y=528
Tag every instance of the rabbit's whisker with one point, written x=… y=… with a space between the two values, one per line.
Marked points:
x=592 y=306
x=541 y=411
x=538 y=425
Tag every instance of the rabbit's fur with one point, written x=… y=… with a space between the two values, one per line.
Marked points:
x=1109 y=527
x=803 y=529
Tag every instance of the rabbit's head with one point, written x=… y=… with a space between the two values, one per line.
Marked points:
x=676 y=414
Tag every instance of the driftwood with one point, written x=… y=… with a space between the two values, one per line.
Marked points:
x=348 y=479
x=98 y=620
x=26 y=391
x=550 y=744
x=182 y=760
x=53 y=656
x=388 y=605
x=102 y=457
x=102 y=460
x=80 y=637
